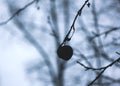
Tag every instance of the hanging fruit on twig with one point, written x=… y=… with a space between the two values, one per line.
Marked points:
x=65 y=52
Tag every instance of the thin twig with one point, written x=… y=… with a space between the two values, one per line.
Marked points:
x=67 y=38
x=17 y=12
x=89 y=68
x=101 y=68
x=97 y=77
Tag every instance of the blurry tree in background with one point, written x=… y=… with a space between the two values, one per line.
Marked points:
x=44 y=24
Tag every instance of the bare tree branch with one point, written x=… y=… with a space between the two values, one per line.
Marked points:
x=18 y=11
x=88 y=68
x=101 y=68
x=67 y=38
